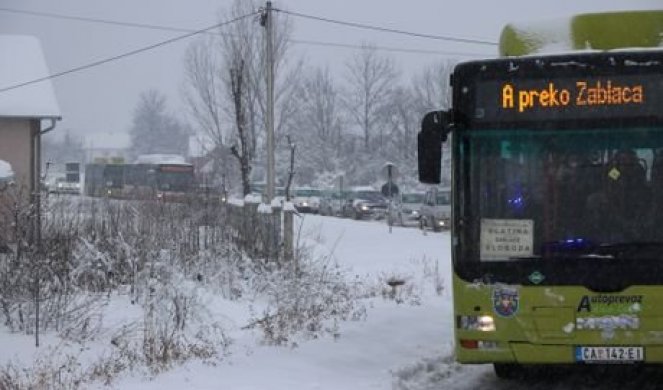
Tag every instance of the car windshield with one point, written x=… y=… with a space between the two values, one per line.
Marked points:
x=443 y=198
x=413 y=198
x=307 y=192
x=374 y=196
x=542 y=193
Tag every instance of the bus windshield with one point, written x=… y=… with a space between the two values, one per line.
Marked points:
x=544 y=194
x=114 y=176
x=175 y=181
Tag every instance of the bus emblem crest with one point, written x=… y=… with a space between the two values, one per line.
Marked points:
x=506 y=301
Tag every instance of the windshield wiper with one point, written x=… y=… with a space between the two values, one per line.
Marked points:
x=588 y=250
x=631 y=248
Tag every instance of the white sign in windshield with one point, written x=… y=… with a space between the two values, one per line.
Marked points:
x=504 y=239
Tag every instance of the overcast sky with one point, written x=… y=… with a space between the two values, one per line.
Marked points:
x=98 y=102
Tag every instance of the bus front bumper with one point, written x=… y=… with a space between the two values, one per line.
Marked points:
x=527 y=353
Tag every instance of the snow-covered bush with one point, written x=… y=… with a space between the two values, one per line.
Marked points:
x=309 y=297
x=407 y=286
x=176 y=323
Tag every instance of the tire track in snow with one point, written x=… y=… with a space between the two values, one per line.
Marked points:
x=443 y=373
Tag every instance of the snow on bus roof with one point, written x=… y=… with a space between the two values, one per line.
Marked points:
x=161 y=159
x=549 y=36
x=602 y=31
x=22 y=60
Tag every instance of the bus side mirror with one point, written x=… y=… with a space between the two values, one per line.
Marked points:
x=434 y=129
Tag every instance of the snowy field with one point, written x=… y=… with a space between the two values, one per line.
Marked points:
x=403 y=342
x=366 y=354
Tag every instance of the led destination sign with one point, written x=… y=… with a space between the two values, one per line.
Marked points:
x=584 y=94
x=564 y=99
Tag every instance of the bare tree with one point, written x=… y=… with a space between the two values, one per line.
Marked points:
x=212 y=65
x=431 y=88
x=242 y=154
x=154 y=130
x=204 y=95
x=371 y=78
x=403 y=126
x=318 y=124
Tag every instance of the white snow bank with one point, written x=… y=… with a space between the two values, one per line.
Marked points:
x=264 y=208
x=236 y=202
x=6 y=171
x=21 y=61
x=253 y=198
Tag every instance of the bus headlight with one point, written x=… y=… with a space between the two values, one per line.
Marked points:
x=483 y=323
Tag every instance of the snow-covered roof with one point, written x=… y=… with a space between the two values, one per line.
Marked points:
x=161 y=159
x=22 y=60
x=6 y=171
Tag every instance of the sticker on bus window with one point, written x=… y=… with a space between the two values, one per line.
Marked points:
x=506 y=239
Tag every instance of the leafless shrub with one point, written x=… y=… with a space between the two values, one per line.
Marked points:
x=310 y=299
x=176 y=324
x=48 y=372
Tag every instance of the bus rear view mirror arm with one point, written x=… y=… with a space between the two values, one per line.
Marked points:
x=435 y=127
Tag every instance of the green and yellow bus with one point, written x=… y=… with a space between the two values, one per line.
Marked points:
x=557 y=215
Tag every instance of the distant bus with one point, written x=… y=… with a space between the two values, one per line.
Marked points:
x=104 y=180
x=162 y=177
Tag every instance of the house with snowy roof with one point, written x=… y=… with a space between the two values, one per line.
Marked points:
x=28 y=107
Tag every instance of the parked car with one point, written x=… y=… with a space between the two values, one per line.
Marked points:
x=363 y=203
x=331 y=202
x=307 y=199
x=436 y=209
x=408 y=208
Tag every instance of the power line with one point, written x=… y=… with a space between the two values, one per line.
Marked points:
x=386 y=48
x=127 y=54
x=96 y=20
x=389 y=30
x=179 y=29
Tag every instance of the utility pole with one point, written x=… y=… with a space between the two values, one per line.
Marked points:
x=267 y=22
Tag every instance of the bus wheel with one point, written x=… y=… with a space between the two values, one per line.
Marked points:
x=508 y=370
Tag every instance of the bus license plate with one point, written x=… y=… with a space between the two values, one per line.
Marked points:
x=610 y=354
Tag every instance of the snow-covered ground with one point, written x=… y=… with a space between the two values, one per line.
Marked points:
x=401 y=344
x=368 y=353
